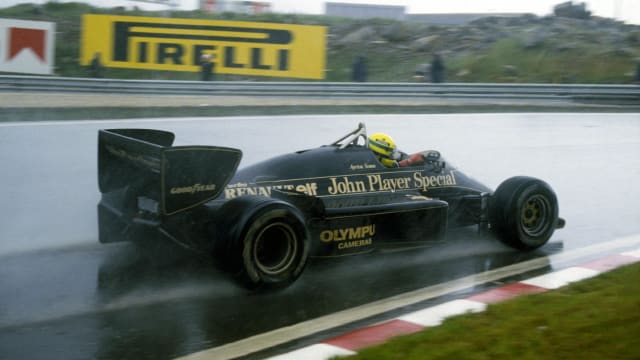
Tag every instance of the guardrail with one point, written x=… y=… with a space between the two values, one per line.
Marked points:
x=627 y=94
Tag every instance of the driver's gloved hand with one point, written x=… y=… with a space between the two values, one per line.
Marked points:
x=414 y=159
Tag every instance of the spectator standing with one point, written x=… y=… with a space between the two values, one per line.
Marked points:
x=206 y=67
x=437 y=69
x=359 y=69
x=95 y=67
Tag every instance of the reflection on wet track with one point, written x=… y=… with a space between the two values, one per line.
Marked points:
x=67 y=297
x=161 y=303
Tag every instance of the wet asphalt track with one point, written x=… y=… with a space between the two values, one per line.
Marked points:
x=64 y=296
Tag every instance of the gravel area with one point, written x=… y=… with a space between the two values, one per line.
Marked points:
x=40 y=106
x=33 y=100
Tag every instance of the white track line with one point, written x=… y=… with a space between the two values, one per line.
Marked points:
x=435 y=315
x=561 y=278
x=314 y=352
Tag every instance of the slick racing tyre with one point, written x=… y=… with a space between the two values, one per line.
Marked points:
x=524 y=212
x=265 y=242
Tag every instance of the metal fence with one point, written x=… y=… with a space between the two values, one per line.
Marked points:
x=627 y=94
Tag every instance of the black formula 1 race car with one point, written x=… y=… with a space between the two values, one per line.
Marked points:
x=263 y=222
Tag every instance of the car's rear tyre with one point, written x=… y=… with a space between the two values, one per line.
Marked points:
x=264 y=242
x=524 y=212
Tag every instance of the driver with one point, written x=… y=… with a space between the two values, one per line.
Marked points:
x=384 y=148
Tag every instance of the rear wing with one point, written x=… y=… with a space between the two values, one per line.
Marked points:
x=177 y=178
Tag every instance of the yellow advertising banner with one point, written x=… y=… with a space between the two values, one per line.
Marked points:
x=242 y=48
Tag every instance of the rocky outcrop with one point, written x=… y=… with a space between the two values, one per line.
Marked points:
x=362 y=35
x=561 y=33
x=569 y=10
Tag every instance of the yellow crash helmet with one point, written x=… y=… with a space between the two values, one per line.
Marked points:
x=384 y=148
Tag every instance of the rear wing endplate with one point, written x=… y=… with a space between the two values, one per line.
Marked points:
x=178 y=178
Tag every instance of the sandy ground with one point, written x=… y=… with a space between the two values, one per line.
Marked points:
x=34 y=100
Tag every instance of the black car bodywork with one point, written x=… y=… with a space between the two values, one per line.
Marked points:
x=263 y=222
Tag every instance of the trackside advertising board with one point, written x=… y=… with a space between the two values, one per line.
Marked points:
x=27 y=47
x=243 y=48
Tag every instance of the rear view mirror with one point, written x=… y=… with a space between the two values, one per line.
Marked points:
x=432 y=156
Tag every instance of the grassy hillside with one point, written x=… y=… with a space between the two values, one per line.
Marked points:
x=527 y=49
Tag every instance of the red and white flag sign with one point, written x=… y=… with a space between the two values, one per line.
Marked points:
x=27 y=46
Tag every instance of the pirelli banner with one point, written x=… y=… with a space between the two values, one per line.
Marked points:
x=243 y=48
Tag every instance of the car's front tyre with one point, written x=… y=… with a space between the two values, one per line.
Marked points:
x=524 y=212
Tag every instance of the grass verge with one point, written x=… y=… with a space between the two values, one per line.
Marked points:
x=597 y=318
